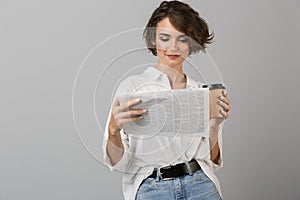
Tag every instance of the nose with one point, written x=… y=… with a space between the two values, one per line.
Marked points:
x=173 y=47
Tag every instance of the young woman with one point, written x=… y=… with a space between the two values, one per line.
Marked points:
x=159 y=167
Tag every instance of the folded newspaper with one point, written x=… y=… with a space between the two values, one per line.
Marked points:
x=178 y=112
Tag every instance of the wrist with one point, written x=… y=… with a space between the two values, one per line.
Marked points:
x=215 y=128
x=213 y=132
x=113 y=131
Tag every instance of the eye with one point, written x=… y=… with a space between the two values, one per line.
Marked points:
x=164 y=39
x=184 y=40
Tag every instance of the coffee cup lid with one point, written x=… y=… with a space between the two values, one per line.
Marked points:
x=214 y=86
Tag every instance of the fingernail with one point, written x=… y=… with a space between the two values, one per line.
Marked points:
x=137 y=100
x=144 y=110
x=225 y=92
x=222 y=98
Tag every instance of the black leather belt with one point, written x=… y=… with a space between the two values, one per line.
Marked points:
x=181 y=169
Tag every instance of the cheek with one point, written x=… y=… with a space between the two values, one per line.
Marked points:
x=161 y=45
x=161 y=53
x=161 y=48
x=184 y=48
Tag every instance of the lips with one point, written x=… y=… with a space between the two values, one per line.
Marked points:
x=173 y=56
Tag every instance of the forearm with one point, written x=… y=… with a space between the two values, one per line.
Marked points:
x=214 y=145
x=115 y=147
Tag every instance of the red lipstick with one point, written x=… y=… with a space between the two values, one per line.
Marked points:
x=173 y=56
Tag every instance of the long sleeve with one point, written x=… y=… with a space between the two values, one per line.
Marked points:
x=123 y=163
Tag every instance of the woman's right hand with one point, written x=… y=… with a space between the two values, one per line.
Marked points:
x=120 y=115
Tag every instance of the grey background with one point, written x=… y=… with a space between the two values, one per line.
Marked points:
x=43 y=44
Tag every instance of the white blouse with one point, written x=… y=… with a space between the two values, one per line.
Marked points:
x=142 y=155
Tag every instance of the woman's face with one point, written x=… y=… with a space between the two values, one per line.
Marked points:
x=172 y=45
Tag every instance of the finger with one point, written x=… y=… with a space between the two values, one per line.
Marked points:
x=132 y=102
x=127 y=120
x=124 y=106
x=224 y=114
x=225 y=93
x=132 y=113
x=225 y=99
x=224 y=106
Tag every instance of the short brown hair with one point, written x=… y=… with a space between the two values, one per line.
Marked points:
x=183 y=18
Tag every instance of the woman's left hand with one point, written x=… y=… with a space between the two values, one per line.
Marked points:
x=225 y=104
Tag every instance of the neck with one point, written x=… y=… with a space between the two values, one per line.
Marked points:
x=175 y=74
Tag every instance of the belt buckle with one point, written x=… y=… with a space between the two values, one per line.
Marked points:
x=161 y=173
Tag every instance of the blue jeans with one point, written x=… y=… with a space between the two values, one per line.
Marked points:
x=189 y=187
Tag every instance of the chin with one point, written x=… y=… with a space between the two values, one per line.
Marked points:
x=173 y=64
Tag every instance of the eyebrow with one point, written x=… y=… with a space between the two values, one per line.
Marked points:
x=165 y=34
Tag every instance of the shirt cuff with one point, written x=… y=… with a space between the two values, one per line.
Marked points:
x=121 y=164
